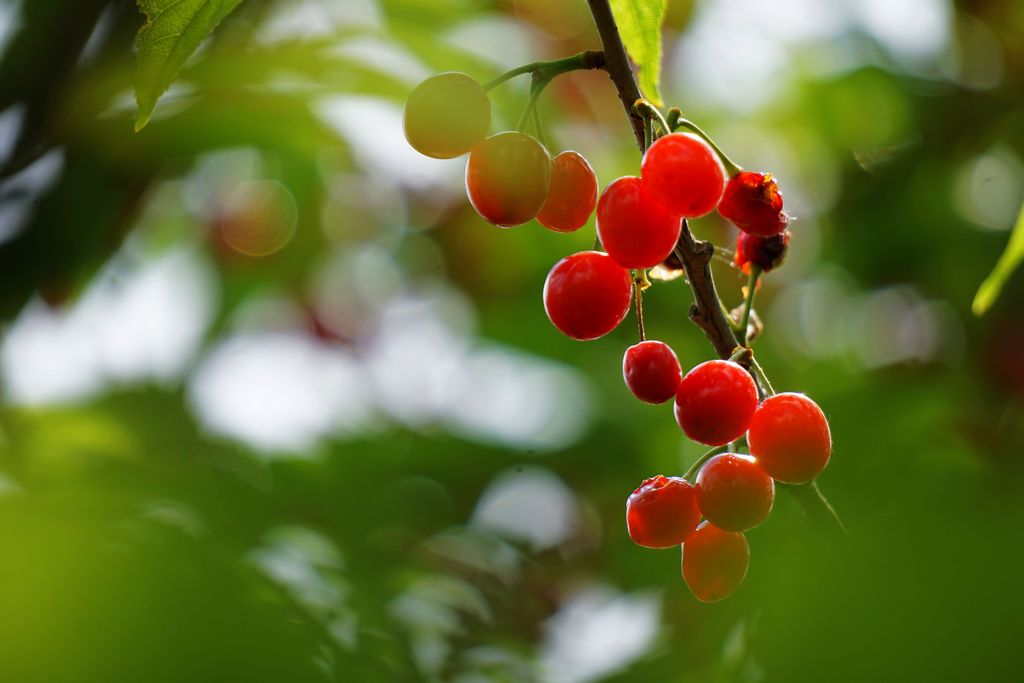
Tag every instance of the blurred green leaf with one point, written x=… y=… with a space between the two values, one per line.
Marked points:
x=989 y=290
x=640 y=27
x=173 y=31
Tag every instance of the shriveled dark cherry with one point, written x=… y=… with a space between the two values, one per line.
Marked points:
x=447 y=115
x=715 y=402
x=662 y=512
x=790 y=438
x=573 y=194
x=587 y=295
x=635 y=230
x=651 y=371
x=753 y=203
x=508 y=176
x=714 y=562
x=734 y=493
x=767 y=253
x=684 y=175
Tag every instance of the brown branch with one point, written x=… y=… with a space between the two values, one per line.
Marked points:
x=695 y=255
x=706 y=311
x=617 y=65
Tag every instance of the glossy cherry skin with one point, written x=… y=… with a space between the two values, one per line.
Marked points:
x=586 y=295
x=714 y=562
x=651 y=371
x=753 y=203
x=634 y=229
x=684 y=175
x=734 y=493
x=508 y=176
x=662 y=512
x=447 y=115
x=715 y=402
x=790 y=438
x=767 y=253
x=573 y=194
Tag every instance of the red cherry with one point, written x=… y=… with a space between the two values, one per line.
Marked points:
x=662 y=512
x=507 y=178
x=587 y=294
x=715 y=402
x=767 y=253
x=447 y=115
x=734 y=493
x=572 y=196
x=684 y=174
x=714 y=562
x=651 y=371
x=752 y=201
x=790 y=438
x=635 y=230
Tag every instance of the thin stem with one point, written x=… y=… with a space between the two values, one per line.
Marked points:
x=689 y=474
x=640 y=283
x=815 y=505
x=672 y=118
x=762 y=377
x=748 y=304
x=531 y=104
x=537 y=124
x=730 y=167
x=546 y=70
x=652 y=113
x=728 y=316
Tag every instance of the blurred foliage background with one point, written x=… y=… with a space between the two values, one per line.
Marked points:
x=278 y=406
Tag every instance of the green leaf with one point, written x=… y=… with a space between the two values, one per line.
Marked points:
x=639 y=24
x=1011 y=258
x=174 y=30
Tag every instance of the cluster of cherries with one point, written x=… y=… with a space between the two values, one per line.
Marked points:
x=512 y=179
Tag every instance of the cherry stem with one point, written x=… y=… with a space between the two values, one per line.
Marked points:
x=815 y=505
x=640 y=283
x=762 y=377
x=651 y=113
x=546 y=70
x=531 y=104
x=695 y=255
x=748 y=304
x=538 y=126
x=730 y=167
x=689 y=474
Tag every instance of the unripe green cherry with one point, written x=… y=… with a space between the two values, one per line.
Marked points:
x=447 y=115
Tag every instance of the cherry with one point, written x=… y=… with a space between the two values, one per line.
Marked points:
x=572 y=196
x=684 y=174
x=752 y=201
x=447 y=115
x=767 y=253
x=715 y=402
x=714 y=562
x=586 y=295
x=790 y=438
x=651 y=371
x=635 y=230
x=734 y=493
x=662 y=512
x=507 y=178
